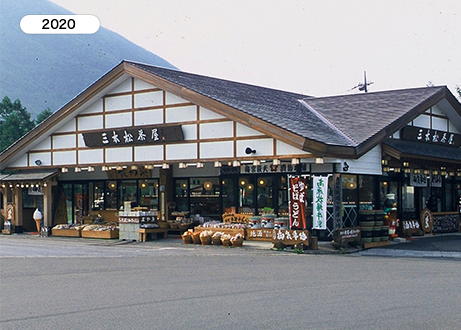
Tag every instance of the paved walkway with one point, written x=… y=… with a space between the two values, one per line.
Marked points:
x=428 y=246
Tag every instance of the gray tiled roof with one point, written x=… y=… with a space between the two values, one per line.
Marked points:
x=345 y=121
x=277 y=107
x=361 y=116
x=418 y=149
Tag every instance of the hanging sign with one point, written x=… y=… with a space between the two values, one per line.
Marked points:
x=297 y=196
x=418 y=180
x=139 y=135
x=320 y=191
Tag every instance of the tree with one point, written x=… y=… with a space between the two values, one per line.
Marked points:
x=14 y=122
x=43 y=115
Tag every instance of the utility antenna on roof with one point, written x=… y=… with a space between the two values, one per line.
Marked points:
x=363 y=86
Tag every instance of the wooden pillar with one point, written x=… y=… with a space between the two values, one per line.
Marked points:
x=47 y=202
x=166 y=191
x=3 y=208
x=337 y=201
x=17 y=200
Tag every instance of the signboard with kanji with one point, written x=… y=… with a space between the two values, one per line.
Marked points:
x=297 y=201
x=290 y=237
x=140 y=135
x=319 y=213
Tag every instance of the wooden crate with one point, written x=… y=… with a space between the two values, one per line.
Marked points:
x=66 y=232
x=107 y=234
x=229 y=231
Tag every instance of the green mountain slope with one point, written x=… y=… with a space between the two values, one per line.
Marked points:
x=49 y=70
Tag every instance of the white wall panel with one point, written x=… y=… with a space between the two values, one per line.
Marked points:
x=216 y=149
x=148 y=153
x=436 y=110
x=189 y=131
x=263 y=147
x=206 y=114
x=422 y=121
x=64 y=141
x=453 y=129
x=91 y=156
x=141 y=84
x=123 y=119
x=44 y=145
x=370 y=163
x=93 y=108
x=68 y=127
x=119 y=155
x=123 y=87
x=20 y=162
x=150 y=99
x=217 y=130
x=174 y=115
x=439 y=124
x=243 y=130
x=173 y=99
x=64 y=158
x=118 y=102
x=148 y=117
x=181 y=151
x=283 y=148
x=91 y=122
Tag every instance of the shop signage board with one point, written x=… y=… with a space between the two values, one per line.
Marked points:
x=259 y=234
x=436 y=181
x=270 y=168
x=418 y=180
x=290 y=237
x=127 y=173
x=427 y=135
x=423 y=180
x=138 y=135
x=320 y=190
x=236 y=218
x=297 y=201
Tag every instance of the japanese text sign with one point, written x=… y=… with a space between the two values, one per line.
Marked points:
x=297 y=198
x=140 y=135
x=319 y=213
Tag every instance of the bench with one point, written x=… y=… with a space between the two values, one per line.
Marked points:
x=144 y=231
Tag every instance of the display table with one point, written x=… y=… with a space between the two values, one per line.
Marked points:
x=144 y=231
x=66 y=232
x=106 y=234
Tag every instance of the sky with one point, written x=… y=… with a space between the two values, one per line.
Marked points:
x=318 y=48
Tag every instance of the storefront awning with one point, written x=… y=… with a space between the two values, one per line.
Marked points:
x=28 y=176
x=410 y=149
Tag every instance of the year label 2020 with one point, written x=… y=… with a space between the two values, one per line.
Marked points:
x=60 y=24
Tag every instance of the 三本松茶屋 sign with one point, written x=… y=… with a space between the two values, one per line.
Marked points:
x=138 y=135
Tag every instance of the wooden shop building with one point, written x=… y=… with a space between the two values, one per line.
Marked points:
x=182 y=143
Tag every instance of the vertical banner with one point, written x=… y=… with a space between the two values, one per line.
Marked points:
x=320 y=191
x=297 y=199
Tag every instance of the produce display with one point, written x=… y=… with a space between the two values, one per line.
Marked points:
x=100 y=228
x=69 y=226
